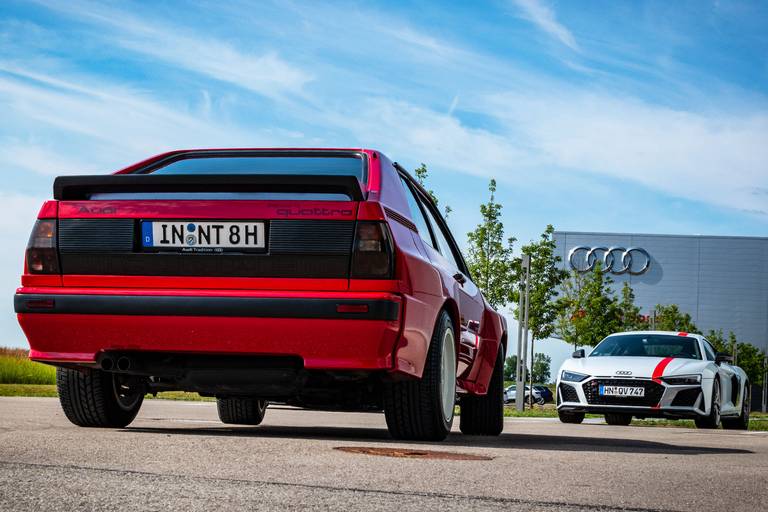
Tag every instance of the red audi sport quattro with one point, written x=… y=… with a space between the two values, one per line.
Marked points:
x=322 y=278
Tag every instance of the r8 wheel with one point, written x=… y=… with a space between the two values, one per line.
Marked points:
x=618 y=419
x=712 y=420
x=570 y=417
x=741 y=422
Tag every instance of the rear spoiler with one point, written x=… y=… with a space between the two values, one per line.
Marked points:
x=72 y=188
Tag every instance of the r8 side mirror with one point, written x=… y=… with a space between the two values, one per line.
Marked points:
x=723 y=357
x=578 y=354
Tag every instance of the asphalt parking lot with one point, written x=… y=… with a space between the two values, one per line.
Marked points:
x=176 y=455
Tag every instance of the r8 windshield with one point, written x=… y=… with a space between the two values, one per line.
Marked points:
x=648 y=345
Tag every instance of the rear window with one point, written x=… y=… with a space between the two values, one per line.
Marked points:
x=351 y=165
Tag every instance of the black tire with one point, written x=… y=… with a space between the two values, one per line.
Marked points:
x=414 y=408
x=570 y=417
x=241 y=411
x=713 y=419
x=741 y=422
x=484 y=415
x=618 y=419
x=93 y=398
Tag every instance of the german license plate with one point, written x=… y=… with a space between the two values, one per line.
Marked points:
x=203 y=236
x=628 y=391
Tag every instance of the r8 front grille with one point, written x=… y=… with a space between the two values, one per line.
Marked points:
x=568 y=393
x=653 y=392
x=686 y=397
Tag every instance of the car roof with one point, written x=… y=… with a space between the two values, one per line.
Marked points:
x=667 y=333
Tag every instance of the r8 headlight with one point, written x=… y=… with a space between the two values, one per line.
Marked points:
x=573 y=376
x=681 y=380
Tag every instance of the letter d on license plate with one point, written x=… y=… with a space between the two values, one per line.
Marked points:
x=203 y=236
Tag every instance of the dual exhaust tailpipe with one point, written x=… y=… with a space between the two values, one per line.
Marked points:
x=120 y=364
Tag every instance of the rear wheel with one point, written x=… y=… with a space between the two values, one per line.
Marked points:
x=713 y=419
x=618 y=419
x=484 y=415
x=93 y=398
x=241 y=411
x=570 y=417
x=742 y=421
x=423 y=409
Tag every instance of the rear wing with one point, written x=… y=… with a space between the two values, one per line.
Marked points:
x=72 y=188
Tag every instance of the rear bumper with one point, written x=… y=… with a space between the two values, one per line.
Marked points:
x=327 y=330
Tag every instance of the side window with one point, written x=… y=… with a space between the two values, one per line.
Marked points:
x=417 y=215
x=710 y=352
x=445 y=247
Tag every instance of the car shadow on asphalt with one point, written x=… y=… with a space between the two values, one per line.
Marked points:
x=504 y=441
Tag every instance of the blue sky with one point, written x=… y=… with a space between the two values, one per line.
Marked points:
x=594 y=116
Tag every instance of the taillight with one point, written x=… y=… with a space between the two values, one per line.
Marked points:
x=42 y=256
x=372 y=256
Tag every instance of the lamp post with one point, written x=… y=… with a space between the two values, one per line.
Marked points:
x=522 y=334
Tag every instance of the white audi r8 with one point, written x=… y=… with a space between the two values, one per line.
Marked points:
x=654 y=374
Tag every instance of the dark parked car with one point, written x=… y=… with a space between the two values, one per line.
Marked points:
x=545 y=393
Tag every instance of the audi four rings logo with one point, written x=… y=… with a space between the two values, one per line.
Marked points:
x=616 y=260
x=623 y=372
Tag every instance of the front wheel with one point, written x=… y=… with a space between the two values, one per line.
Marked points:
x=93 y=398
x=742 y=421
x=484 y=415
x=618 y=419
x=712 y=420
x=570 y=417
x=422 y=409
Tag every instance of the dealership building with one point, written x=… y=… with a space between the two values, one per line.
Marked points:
x=721 y=281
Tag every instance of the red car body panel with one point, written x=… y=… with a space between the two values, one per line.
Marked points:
x=422 y=286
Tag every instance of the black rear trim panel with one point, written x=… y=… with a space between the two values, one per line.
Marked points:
x=154 y=305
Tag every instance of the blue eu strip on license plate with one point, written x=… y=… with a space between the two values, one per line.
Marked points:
x=146 y=234
x=602 y=389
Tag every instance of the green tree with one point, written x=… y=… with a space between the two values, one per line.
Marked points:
x=541 y=368
x=489 y=255
x=421 y=174
x=590 y=311
x=748 y=357
x=510 y=368
x=670 y=318
x=630 y=313
x=545 y=279
x=571 y=307
x=546 y=276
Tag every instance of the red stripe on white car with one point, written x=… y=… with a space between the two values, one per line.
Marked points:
x=659 y=370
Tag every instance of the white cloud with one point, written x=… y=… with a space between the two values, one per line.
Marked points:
x=544 y=17
x=265 y=72
x=716 y=157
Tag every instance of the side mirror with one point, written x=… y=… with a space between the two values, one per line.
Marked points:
x=579 y=354
x=723 y=357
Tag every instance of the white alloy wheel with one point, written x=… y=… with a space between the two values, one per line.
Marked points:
x=448 y=375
